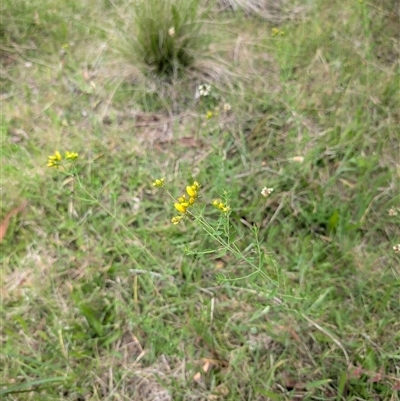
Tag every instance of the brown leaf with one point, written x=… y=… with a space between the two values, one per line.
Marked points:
x=6 y=221
x=197 y=377
x=190 y=142
x=207 y=366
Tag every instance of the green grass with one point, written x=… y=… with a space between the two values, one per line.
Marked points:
x=104 y=299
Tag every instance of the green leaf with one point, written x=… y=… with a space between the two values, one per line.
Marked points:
x=93 y=322
x=175 y=17
x=270 y=394
x=342 y=385
x=318 y=383
x=321 y=299
x=27 y=386
x=333 y=221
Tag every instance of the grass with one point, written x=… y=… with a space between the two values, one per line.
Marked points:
x=104 y=299
x=167 y=36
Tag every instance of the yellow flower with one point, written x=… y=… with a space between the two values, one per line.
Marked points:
x=209 y=114
x=184 y=202
x=176 y=219
x=54 y=160
x=158 y=183
x=56 y=156
x=276 y=32
x=181 y=207
x=71 y=156
x=223 y=207
x=191 y=191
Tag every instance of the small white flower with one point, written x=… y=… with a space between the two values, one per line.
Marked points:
x=227 y=107
x=171 y=32
x=396 y=248
x=204 y=89
x=392 y=212
x=266 y=191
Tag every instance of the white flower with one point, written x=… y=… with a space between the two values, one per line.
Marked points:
x=266 y=191
x=171 y=32
x=396 y=248
x=204 y=89
x=392 y=211
x=227 y=107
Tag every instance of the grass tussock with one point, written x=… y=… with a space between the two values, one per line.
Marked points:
x=165 y=37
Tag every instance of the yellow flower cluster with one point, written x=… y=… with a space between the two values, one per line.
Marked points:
x=71 y=156
x=56 y=159
x=158 y=183
x=185 y=201
x=276 y=32
x=223 y=207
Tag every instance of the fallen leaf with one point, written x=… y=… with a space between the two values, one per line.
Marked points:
x=197 y=377
x=207 y=366
x=6 y=221
x=190 y=142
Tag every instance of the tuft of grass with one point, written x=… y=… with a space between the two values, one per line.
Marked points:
x=166 y=37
